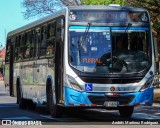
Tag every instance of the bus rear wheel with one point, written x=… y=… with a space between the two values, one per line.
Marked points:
x=55 y=110
x=126 y=111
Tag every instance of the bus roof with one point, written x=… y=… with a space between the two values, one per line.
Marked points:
x=63 y=11
x=37 y=22
x=109 y=7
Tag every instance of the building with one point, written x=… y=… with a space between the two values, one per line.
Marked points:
x=2 y=62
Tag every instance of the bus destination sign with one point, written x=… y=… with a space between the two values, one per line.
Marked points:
x=108 y=16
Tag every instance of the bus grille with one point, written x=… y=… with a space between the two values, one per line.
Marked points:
x=111 y=80
x=99 y=100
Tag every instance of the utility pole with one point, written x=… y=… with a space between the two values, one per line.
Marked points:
x=5 y=36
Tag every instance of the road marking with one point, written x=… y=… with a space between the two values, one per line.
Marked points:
x=144 y=116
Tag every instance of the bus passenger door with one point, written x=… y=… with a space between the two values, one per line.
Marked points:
x=59 y=60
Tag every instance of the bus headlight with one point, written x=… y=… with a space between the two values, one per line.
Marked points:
x=73 y=83
x=147 y=84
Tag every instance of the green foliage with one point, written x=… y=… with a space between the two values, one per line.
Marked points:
x=153 y=6
x=102 y=2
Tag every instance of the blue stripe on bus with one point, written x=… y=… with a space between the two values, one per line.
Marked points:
x=130 y=28
x=107 y=28
x=84 y=27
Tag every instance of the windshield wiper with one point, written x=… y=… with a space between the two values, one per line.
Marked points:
x=126 y=30
x=85 y=34
x=128 y=26
x=81 y=41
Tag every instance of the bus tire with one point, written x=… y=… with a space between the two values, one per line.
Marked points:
x=20 y=100
x=31 y=105
x=126 y=111
x=55 y=110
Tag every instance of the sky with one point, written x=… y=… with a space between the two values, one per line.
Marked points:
x=11 y=17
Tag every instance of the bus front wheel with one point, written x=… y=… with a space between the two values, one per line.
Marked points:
x=126 y=111
x=55 y=110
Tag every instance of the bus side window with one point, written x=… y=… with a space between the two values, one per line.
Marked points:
x=22 y=48
x=8 y=50
x=27 y=45
x=37 y=41
x=17 y=48
x=43 y=41
x=31 y=45
x=51 y=39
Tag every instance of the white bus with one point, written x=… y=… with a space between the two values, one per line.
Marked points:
x=83 y=56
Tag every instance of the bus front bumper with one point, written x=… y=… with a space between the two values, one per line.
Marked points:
x=73 y=98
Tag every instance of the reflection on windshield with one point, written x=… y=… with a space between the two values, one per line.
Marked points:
x=104 y=52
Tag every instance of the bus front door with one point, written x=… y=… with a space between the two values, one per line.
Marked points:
x=59 y=61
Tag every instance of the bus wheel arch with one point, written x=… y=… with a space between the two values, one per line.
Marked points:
x=23 y=103
x=52 y=105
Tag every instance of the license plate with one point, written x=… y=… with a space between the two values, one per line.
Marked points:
x=112 y=103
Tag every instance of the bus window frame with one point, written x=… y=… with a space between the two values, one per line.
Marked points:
x=17 y=47
x=27 y=44
x=43 y=41
x=51 y=38
x=37 y=39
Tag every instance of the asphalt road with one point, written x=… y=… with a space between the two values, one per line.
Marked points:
x=9 y=111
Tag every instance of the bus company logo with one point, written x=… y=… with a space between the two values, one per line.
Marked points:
x=112 y=89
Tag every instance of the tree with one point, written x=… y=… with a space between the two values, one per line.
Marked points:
x=102 y=2
x=153 y=7
x=44 y=7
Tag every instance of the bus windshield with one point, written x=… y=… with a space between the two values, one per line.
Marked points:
x=105 y=50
